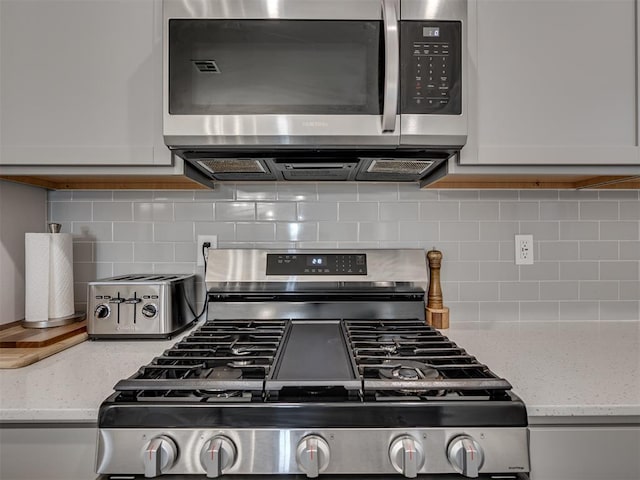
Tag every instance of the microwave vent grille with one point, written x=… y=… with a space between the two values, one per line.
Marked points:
x=232 y=165
x=405 y=167
x=206 y=66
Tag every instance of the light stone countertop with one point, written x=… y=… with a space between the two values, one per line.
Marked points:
x=560 y=369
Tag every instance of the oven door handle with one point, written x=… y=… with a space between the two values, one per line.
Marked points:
x=391 y=64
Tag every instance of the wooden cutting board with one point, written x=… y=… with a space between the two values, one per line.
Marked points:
x=17 y=336
x=26 y=345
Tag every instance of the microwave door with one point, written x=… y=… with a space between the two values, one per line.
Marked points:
x=307 y=73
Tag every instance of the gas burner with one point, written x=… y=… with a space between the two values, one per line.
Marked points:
x=242 y=350
x=387 y=338
x=241 y=363
x=225 y=373
x=408 y=370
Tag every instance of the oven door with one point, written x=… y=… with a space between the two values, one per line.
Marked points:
x=289 y=72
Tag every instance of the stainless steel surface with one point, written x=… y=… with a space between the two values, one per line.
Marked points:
x=386 y=131
x=313 y=455
x=457 y=384
x=466 y=455
x=406 y=456
x=273 y=451
x=55 y=322
x=217 y=456
x=158 y=456
x=140 y=305
x=54 y=227
x=385 y=267
x=391 y=64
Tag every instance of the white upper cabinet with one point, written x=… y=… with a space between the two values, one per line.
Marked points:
x=555 y=83
x=81 y=82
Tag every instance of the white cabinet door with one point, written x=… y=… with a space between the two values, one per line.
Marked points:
x=81 y=82
x=555 y=83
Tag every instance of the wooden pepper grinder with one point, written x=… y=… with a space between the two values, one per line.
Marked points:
x=437 y=313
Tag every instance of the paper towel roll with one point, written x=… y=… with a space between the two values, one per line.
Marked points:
x=48 y=276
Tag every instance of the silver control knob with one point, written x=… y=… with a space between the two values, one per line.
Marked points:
x=406 y=456
x=149 y=310
x=465 y=455
x=102 y=311
x=217 y=455
x=313 y=455
x=158 y=456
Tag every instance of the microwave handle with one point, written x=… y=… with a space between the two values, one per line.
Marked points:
x=391 y=64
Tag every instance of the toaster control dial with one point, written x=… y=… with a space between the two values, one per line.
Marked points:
x=406 y=456
x=102 y=311
x=312 y=455
x=217 y=455
x=158 y=456
x=465 y=456
x=149 y=310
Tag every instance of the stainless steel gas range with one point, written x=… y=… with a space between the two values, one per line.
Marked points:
x=315 y=363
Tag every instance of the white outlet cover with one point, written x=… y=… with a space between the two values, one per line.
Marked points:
x=212 y=239
x=524 y=249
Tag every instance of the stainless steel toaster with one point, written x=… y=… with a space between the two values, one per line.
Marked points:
x=141 y=306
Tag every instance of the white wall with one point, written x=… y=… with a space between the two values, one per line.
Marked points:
x=22 y=209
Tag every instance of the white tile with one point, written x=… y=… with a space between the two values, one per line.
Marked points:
x=194 y=211
x=598 y=250
x=132 y=195
x=579 y=311
x=578 y=195
x=480 y=211
x=458 y=195
x=153 y=252
x=499 y=311
x=630 y=290
x=499 y=271
x=226 y=231
x=421 y=231
x=162 y=212
x=459 y=271
x=173 y=196
x=399 y=211
x=623 y=270
x=558 y=250
x=463 y=311
x=519 y=211
x=377 y=191
x=92 y=231
x=328 y=231
x=539 y=311
x=337 y=192
x=92 y=195
x=112 y=211
x=482 y=251
x=133 y=231
x=298 y=192
x=479 y=291
x=256 y=232
x=629 y=250
x=520 y=291
x=308 y=211
x=620 y=311
x=294 y=232
x=496 y=231
x=410 y=191
x=559 y=210
x=538 y=195
x=186 y=252
x=601 y=210
x=579 y=270
x=466 y=231
x=261 y=191
x=619 y=231
x=449 y=211
x=276 y=212
x=498 y=195
x=222 y=191
x=239 y=211
x=579 y=230
x=173 y=232
x=177 y=268
x=541 y=230
x=70 y=211
x=113 y=252
x=540 y=271
x=559 y=290
x=59 y=195
x=358 y=211
x=599 y=290
x=376 y=231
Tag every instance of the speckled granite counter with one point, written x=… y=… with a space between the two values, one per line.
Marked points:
x=577 y=369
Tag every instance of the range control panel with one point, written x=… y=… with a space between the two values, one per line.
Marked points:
x=317 y=264
x=431 y=62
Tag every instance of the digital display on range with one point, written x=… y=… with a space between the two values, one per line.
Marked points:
x=316 y=264
x=316 y=261
x=430 y=31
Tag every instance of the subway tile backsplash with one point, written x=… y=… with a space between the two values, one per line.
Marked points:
x=586 y=243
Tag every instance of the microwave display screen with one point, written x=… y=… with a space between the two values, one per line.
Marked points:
x=431 y=31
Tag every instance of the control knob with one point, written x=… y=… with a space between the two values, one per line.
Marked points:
x=465 y=456
x=406 y=455
x=102 y=311
x=149 y=310
x=217 y=455
x=313 y=455
x=158 y=456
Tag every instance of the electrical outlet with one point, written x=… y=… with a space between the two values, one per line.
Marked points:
x=212 y=239
x=524 y=249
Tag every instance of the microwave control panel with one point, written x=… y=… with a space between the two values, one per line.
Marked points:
x=431 y=67
x=320 y=264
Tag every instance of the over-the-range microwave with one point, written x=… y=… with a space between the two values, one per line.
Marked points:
x=315 y=89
